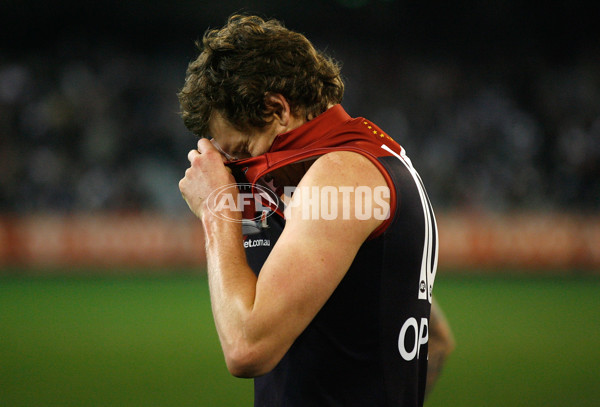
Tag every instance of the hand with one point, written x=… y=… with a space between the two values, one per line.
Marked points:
x=206 y=173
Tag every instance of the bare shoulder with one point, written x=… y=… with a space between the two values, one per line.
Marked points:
x=343 y=168
x=343 y=195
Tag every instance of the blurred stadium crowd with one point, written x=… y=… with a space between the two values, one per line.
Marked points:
x=100 y=133
x=95 y=127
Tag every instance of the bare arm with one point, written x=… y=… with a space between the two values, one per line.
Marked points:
x=258 y=319
x=441 y=344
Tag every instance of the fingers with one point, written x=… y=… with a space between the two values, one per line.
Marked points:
x=205 y=145
x=192 y=154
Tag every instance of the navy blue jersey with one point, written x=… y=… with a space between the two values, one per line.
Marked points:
x=368 y=344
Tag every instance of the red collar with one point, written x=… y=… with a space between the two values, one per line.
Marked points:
x=333 y=130
x=305 y=136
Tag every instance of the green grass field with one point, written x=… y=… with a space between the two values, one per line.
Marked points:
x=150 y=341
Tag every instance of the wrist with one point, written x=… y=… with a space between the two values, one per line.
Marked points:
x=223 y=203
x=223 y=219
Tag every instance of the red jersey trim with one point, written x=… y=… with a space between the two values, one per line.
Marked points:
x=333 y=130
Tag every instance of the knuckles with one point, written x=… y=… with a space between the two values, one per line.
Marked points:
x=198 y=159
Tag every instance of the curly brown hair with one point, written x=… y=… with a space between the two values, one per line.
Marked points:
x=247 y=59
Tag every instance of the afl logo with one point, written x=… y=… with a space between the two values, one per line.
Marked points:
x=250 y=199
x=422 y=286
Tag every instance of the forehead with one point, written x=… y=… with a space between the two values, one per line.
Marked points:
x=219 y=127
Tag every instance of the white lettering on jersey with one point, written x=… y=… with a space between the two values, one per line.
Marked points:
x=256 y=243
x=430 y=245
x=420 y=333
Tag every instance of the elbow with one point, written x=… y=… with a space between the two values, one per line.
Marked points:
x=447 y=344
x=248 y=361
x=441 y=343
x=451 y=345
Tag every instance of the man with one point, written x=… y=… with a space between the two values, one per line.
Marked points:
x=323 y=296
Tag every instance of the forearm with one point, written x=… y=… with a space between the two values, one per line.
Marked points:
x=232 y=283
x=244 y=330
x=438 y=352
x=441 y=344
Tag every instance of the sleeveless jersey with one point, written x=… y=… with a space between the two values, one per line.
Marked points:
x=368 y=345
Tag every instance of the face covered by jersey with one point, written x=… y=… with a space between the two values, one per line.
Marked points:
x=292 y=153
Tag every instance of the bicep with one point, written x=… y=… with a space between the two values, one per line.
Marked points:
x=313 y=254
x=305 y=267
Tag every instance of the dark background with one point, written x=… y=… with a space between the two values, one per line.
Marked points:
x=477 y=30
x=497 y=103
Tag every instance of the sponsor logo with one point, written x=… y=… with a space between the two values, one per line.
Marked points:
x=413 y=335
x=253 y=227
x=256 y=243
